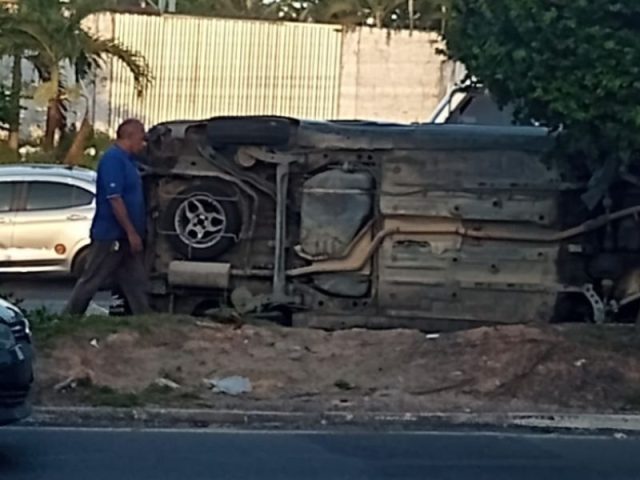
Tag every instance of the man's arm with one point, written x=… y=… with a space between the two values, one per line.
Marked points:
x=111 y=177
x=121 y=214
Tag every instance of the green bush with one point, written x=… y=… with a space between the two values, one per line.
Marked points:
x=100 y=141
x=572 y=65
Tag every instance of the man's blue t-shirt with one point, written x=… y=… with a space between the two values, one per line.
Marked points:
x=117 y=176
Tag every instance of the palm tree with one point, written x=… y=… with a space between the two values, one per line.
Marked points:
x=53 y=37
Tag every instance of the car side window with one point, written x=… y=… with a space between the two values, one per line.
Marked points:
x=53 y=195
x=6 y=195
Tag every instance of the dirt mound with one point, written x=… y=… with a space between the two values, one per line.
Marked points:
x=513 y=368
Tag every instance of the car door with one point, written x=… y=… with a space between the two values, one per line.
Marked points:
x=8 y=191
x=54 y=217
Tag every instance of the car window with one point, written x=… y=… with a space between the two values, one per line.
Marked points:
x=6 y=195
x=52 y=195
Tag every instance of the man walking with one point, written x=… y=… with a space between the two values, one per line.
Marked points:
x=118 y=227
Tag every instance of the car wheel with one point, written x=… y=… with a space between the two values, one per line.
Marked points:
x=203 y=221
x=79 y=262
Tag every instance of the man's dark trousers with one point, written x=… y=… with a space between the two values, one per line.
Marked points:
x=111 y=262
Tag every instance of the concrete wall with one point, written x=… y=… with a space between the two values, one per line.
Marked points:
x=395 y=76
x=313 y=71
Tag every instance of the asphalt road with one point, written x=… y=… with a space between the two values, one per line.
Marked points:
x=50 y=454
x=46 y=291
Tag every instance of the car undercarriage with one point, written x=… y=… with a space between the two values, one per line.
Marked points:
x=345 y=224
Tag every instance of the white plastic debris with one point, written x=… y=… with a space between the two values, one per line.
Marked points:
x=432 y=336
x=96 y=310
x=166 y=383
x=580 y=363
x=619 y=435
x=234 y=385
x=66 y=384
x=94 y=343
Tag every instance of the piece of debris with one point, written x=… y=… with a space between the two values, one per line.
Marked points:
x=234 y=385
x=295 y=356
x=94 y=343
x=96 y=310
x=76 y=380
x=211 y=325
x=619 y=435
x=68 y=384
x=432 y=336
x=342 y=402
x=580 y=363
x=166 y=383
x=343 y=385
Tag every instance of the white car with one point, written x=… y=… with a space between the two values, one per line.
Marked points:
x=45 y=218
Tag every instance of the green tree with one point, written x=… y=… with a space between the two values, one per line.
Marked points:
x=9 y=46
x=572 y=65
x=426 y=14
x=253 y=9
x=419 y=14
x=52 y=37
x=376 y=13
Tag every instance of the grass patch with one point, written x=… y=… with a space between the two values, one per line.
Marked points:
x=48 y=327
x=611 y=338
x=153 y=395
x=103 y=396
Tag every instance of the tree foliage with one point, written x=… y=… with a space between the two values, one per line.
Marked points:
x=426 y=14
x=50 y=35
x=248 y=9
x=572 y=65
x=423 y=14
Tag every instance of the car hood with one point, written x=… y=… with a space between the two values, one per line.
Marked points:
x=8 y=311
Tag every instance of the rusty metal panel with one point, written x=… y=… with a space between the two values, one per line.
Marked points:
x=482 y=185
x=206 y=66
x=457 y=278
x=450 y=277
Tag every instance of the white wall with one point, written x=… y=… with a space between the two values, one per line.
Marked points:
x=378 y=74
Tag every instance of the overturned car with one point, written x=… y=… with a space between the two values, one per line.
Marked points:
x=343 y=224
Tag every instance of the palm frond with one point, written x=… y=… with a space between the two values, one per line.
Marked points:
x=81 y=9
x=96 y=50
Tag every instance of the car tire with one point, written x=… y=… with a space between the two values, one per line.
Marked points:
x=79 y=262
x=203 y=221
x=268 y=131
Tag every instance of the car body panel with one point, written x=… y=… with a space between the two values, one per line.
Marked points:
x=16 y=364
x=348 y=224
x=33 y=230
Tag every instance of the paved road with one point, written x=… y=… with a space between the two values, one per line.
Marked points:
x=47 y=291
x=34 y=454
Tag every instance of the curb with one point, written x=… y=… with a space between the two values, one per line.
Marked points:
x=88 y=417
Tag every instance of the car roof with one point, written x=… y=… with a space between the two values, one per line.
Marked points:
x=62 y=171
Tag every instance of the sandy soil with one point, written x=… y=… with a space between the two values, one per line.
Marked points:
x=515 y=368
